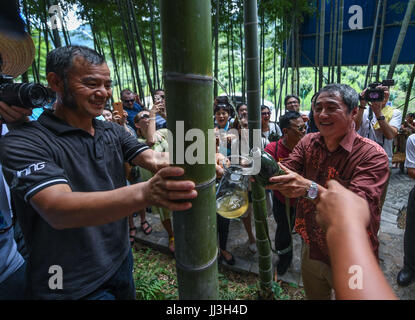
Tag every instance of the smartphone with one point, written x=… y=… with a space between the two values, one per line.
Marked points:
x=117 y=106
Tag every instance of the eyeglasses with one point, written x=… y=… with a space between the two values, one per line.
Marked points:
x=128 y=101
x=300 y=128
x=265 y=113
x=144 y=116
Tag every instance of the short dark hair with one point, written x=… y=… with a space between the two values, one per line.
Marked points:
x=285 y=119
x=349 y=95
x=137 y=117
x=158 y=90
x=239 y=105
x=222 y=102
x=60 y=60
x=225 y=107
x=125 y=91
x=265 y=107
x=289 y=97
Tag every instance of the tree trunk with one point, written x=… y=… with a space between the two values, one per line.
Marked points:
x=321 y=50
x=262 y=65
x=340 y=43
x=56 y=38
x=275 y=69
x=372 y=45
x=254 y=116
x=156 y=77
x=408 y=94
x=380 y=48
x=233 y=60
x=216 y=36
x=230 y=83
x=242 y=62
x=333 y=59
x=132 y=53
x=114 y=59
x=187 y=64
x=316 y=53
x=401 y=38
x=140 y=45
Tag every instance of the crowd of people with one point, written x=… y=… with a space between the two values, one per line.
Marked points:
x=75 y=182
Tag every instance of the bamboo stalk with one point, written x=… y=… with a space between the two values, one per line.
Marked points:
x=401 y=38
x=254 y=120
x=187 y=71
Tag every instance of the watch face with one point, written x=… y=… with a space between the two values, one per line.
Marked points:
x=312 y=193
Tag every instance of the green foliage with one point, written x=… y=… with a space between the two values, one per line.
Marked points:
x=147 y=278
x=105 y=16
x=279 y=292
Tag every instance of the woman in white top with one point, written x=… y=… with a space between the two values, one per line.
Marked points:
x=270 y=131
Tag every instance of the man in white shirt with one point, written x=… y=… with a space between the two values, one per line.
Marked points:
x=379 y=122
x=407 y=275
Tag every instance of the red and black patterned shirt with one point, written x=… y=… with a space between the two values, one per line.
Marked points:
x=359 y=164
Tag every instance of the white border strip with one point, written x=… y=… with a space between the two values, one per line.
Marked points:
x=42 y=185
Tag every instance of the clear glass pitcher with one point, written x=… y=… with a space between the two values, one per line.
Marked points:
x=232 y=190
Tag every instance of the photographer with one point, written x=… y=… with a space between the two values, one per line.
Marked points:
x=12 y=264
x=379 y=122
x=16 y=57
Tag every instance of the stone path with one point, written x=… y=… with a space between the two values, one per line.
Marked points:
x=390 y=237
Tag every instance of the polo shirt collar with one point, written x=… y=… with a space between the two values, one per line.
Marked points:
x=59 y=126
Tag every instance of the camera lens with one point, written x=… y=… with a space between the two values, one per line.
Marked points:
x=25 y=95
x=36 y=94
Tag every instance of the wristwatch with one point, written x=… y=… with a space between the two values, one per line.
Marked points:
x=312 y=191
x=380 y=118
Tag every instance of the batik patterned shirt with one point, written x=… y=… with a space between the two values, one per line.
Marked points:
x=359 y=164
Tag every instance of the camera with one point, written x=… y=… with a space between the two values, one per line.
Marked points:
x=373 y=94
x=24 y=95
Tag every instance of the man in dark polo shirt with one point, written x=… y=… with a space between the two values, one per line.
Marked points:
x=336 y=152
x=67 y=180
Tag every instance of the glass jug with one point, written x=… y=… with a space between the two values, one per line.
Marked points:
x=232 y=191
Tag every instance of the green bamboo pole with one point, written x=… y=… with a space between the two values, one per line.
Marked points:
x=254 y=120
x=401 y=38
x=187 y=72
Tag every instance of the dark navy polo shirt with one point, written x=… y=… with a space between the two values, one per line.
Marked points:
x=49 y=151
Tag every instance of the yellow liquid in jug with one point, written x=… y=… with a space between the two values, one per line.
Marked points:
x=233 y=204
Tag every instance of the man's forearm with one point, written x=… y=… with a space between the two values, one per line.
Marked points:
x=388 y=131
x=151 y=160
x=356 y=273
x=63 y=209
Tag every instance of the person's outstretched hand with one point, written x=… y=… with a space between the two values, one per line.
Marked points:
x=163 y=191
x=339 y=207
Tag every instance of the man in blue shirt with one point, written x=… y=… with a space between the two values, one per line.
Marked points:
x=12 y=264
x=130 y=105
